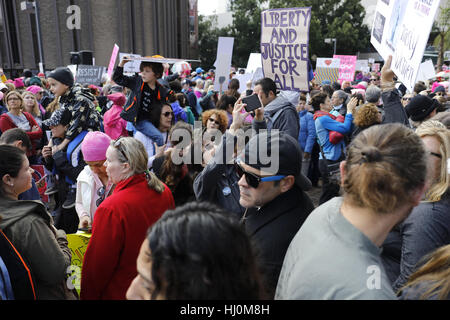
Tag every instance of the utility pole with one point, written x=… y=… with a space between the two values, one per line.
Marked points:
x=28 y=7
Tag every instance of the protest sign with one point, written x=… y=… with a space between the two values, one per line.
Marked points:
x=243 y=79
x=90 y=75
x=132 y=66
x=376 y=67
x=426 y=71
x=284 y=47
x=223 y=63
x=347 y=67
x=112 y=61
x=254 y=62
x=362 y=65
x=327 y=69
x=401 y=29
x=77 y=244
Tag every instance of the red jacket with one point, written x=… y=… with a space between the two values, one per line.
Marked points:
x=119 y=228
x=6 y=124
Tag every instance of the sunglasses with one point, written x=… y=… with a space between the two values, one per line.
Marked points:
x=101 y=194
x=252 y=179
x=215 y=121
x=406 y=99
x=118 y=146
x=167 y=114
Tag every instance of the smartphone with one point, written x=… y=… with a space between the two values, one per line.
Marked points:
x=252 y=103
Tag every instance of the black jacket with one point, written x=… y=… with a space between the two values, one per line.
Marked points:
x=272 y=229
x=135 y=83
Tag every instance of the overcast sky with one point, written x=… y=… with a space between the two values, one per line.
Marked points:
x=207 y=7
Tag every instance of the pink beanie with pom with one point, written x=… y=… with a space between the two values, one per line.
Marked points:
x=94 y=146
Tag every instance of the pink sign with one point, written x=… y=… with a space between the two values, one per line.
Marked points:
x=347 y=67
x=112 y=62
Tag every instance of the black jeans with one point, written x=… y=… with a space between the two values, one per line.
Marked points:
x=329 y=189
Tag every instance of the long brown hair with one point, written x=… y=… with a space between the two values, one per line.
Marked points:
x=434 y=273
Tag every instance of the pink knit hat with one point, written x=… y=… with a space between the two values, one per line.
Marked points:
x=94 y=146
x=19 y=83
x=34 y=89
x=118 y=99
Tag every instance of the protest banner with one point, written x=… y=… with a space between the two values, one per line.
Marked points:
x=401 y=29
x=112 y=61
x=376 y=67
x=284 y=47
x=327 y=69
x=347 y=67
x=90 y=74
x=77 y=244
x=132 y=66
x=223 y=63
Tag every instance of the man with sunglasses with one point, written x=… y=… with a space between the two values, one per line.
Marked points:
x=272 y=189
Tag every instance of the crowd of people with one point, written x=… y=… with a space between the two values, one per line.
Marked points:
x=187 y=195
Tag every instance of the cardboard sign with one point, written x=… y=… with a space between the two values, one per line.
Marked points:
x=327 y=69
x=112 y=61
x=223 y=63
x=284 y=47
x=362 y=65
x=90 y=75
x=132 y=66
x=401 y=28
x=347 y=67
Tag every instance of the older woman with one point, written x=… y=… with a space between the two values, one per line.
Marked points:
x=30 y=228
x=162 y=117
x=428 y=226
x=215 y=120
x=93 y=185
x=121 y=222
x=17 y=118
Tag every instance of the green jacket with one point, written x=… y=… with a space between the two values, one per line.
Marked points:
x=28 y=225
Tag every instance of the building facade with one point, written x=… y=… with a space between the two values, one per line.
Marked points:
x=145 y=27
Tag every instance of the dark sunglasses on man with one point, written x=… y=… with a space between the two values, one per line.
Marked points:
x=252 y=179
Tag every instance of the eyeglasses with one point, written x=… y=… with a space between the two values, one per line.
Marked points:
x=252 y=179
x=373 y=79
x=435 y=154
x=101 y=194
x=118 y=146
x=167 y=114
x=215 y=121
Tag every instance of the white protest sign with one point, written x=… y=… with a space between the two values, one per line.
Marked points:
x=254 y=62
x=132 y=66
x=284 y=47
x=426 y=71
x=223 y=63
x=401 y=28
x=243 y=79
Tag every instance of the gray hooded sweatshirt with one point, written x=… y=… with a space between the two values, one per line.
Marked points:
x=280 y=114
x=27 y=224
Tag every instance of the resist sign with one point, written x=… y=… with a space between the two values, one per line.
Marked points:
x=284 y=47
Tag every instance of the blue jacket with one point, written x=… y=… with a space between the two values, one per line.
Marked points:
x=326 y=124
x=307 y=135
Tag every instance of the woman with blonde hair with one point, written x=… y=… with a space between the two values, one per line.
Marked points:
x=31 y=105
x=121 y=221
x=428 y=226
x=432 y=280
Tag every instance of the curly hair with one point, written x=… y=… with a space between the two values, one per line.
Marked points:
x=221 y=117
x=201 y=252
x=367 y=115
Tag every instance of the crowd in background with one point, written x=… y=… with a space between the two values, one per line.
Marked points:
x=220 y=223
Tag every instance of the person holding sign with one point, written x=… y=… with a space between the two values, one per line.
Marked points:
x=145 y=91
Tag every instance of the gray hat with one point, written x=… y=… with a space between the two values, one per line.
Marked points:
x=277 y=153
x=63 y=75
